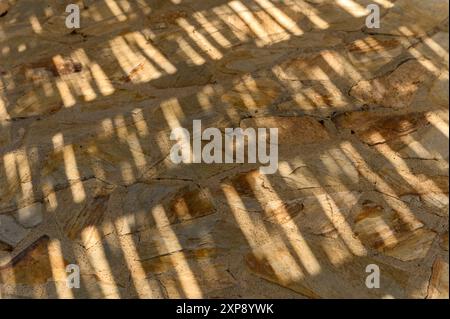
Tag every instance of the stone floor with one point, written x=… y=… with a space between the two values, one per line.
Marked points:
x=85 y=174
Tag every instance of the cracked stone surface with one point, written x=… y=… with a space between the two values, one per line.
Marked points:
x=86 y=177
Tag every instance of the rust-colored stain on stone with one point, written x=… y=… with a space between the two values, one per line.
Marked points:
x=31 y=267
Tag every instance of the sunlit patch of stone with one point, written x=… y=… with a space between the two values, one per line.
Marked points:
x=127 y=173
x=247 y=16
x=284 y=168
x=385 y=233
x=97 y=168
x=153 y=53
x=35 y=24
x=48 y=88
x=380 y=184
x=353 y=8
x=48 y=11
x=186 y=277
x=3 y=111
x=146 y=9
x=9 y=164
x=100 y=78
x=140 y=123
x=82 y=84
x=336 y=217
x=300 y=246
x=133 y=142
x=404 y=170
x=283 y=19
x=246 y=95
x=94 y=14
x=405 y=31
x=107 y=128
x=440 y=121
x=99 y=261
x=337 y=259
x=7 y=274
x=212 y=30
x=131 y=256
x=384 y=3
x=191 y=54
x=136 y=67
x=71 y=167
x=65 y=93
x=6 y=50
x=51 y=202
x=125 y=5
x=312 y=14
x=276 y=32
x=286 y=269
x=22 y=48
x=441 y=124
x=58 y=267
x=173 y=113
x=436 y=48
x=340 y=99
x=116 y=10
x=343 y=228
x=24 y=169
x=204 y=97
x=224 y=13
x=427 y=64
x=417 y=148
x=340 y=65
x=199 y=39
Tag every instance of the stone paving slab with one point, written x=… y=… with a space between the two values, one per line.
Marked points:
x=86 y=177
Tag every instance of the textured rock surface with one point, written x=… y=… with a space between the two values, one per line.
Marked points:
x=11 y=233
x=30 y=216
x=439 y=280
x=86 y=178
x=4 y=7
